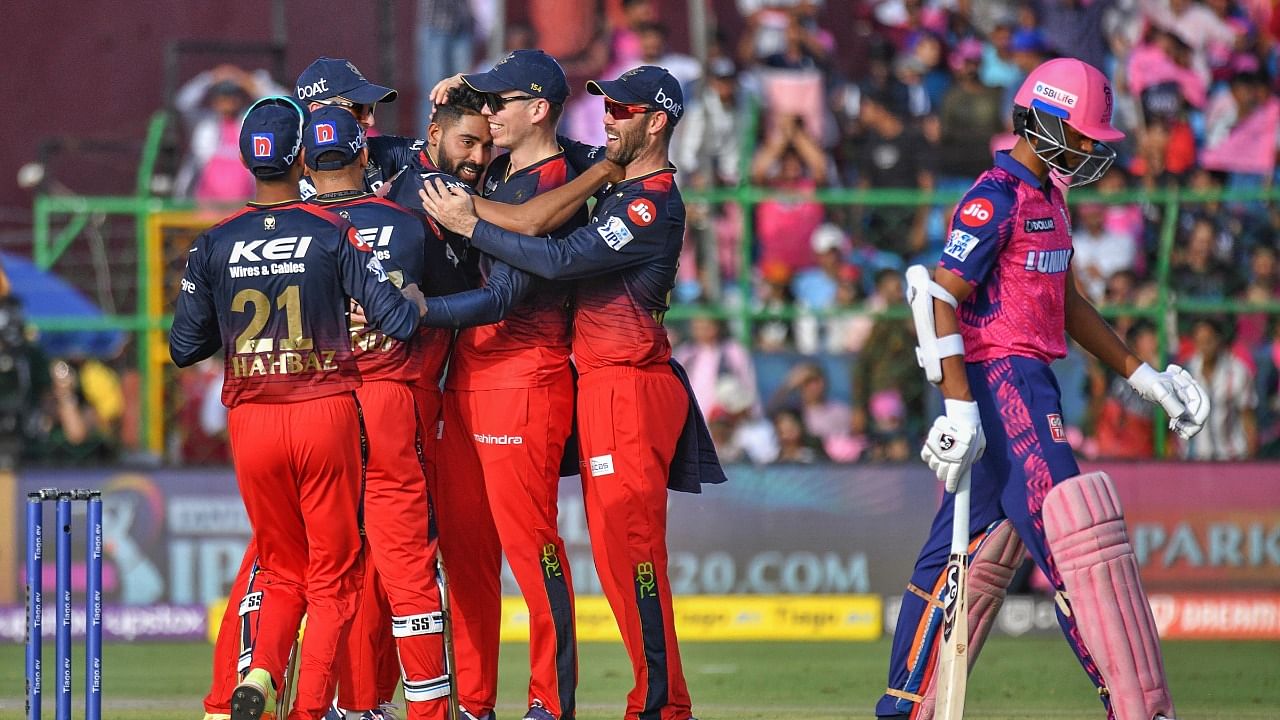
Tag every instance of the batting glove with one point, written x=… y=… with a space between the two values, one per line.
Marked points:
x=1196 y=400
x=1159 y=388
x=955 y=442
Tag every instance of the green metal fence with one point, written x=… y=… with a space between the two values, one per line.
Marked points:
x=147 y=324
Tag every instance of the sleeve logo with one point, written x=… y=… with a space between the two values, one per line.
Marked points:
x=977 y=212
x=354 y=237
x=375 y=266
x=615 y=233
x=960 y=244
x=642 y=212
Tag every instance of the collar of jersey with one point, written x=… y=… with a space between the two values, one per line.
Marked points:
x=266 y=206
x=1005 y=162
x=659 y=171
x=340 y=196
x=531 y=166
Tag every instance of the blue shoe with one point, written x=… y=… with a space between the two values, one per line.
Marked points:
x=537 y=712
x=491 y=715
x=385 y=712
x=334 y=712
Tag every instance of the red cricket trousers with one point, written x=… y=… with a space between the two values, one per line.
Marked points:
x=233 y=649
x=298 y=468
x=498 y=484
x=629 y=420
x=403 y=558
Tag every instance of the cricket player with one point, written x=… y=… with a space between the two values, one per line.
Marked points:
x=990 y=321
x=261 y=285
x=402 y=553
x=508 y=411
x=458 y=145
x=632 y=408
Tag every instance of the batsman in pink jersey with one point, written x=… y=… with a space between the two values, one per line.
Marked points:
x=990 y=318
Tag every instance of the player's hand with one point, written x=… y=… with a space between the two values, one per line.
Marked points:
x=452 y=209
x=615 y=173
x=412 y=292
x=355 y=315
x=1160 y=388
x=955 y=442
x=440 y=93
x=1196 y=400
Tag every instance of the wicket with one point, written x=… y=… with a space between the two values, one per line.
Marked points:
x=93 y=602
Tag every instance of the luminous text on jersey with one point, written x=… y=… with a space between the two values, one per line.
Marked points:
x=1049 y=262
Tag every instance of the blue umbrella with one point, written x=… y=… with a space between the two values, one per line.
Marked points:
x=45 y=295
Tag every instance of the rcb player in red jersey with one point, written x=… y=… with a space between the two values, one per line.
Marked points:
x=632 y=407
x=261 y=286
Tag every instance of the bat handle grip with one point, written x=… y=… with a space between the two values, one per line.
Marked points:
x=960 y=518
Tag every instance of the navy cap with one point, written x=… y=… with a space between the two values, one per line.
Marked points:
x=271 y=136
x=646 y=85
x=328 y=78
x=332 y=129
x=530 y=71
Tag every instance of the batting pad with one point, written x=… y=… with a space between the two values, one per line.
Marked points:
x=991 y=569
x=1084 y=527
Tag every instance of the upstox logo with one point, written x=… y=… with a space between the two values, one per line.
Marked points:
x=285 y=248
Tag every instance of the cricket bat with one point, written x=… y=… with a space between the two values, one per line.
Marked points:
x=953 y=654
x=450 y=662
x=284 y=697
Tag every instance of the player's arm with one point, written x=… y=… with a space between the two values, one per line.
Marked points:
x=503 y=289
x=194 y=335
x=979 y=232
x=365 y=280
x=579 y=154
x=1174 y=390
x=1087 y=328
x=955 y=383
x=547 y=211
x=612 y=243
x=583 y=253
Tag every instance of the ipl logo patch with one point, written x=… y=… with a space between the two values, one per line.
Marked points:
x=263 y=143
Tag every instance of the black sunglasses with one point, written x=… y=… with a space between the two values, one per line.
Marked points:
x=496 y=102
x=360 y=110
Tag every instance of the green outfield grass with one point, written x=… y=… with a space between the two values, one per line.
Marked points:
x=1017 y=679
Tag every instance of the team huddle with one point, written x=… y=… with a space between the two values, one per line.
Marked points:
x=421 y=339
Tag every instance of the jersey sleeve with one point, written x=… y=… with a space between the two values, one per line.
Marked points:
x=365 y=280
x=392 y=152
x=980 y=227
x=194 y=335
x=580 y=155
x=504 y=289
x=616 y=240
x=444 y=266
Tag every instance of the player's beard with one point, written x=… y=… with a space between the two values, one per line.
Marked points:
x=629 y=144
x=450 y=167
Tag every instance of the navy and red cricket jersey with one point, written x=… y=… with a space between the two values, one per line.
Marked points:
x=269 y=284
x=625 y=263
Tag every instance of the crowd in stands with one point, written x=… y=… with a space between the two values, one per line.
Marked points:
x=1195 y=92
